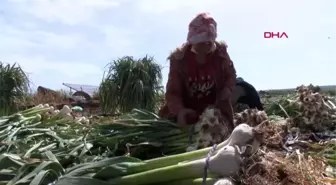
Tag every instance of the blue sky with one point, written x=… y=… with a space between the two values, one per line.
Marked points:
x=71 y=41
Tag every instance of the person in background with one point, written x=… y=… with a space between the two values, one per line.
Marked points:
x=245 y=93
x=201 y=74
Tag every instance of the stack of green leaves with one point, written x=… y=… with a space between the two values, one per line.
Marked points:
x=180 y=169
x=28 y=134
x=186 y=168
x=144 y=134
x=120 y=170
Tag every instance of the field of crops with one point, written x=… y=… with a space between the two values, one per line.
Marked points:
x=42 y=145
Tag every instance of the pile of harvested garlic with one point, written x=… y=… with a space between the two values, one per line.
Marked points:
x=314 y=107
x=251 y=117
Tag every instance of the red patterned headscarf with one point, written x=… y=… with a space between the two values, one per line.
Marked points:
x=203 y=28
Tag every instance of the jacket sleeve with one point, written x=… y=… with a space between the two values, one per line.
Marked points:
x=174 y=89
x=226 y=86
x=229 y=78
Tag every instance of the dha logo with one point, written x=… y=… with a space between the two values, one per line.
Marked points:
x=271 y=35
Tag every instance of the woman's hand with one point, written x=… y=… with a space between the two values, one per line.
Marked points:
x=186 y=117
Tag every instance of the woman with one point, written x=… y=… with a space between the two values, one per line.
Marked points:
x=201 y=75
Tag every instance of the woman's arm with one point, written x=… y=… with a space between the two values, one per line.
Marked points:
x=174 y=89
x=223 y=99
x=229 y=77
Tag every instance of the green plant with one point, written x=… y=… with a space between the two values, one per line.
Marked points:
x=130 y=83
x=14 y=85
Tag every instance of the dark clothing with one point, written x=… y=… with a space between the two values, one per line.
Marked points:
x=201 y=84
x=251 y=97
x=195 y=86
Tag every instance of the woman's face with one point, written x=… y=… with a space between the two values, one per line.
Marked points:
x=203 y=47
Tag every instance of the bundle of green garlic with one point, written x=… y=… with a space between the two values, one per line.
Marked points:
x=224 y=163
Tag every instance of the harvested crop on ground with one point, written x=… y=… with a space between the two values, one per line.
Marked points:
x=274 y=163
x=278 y=146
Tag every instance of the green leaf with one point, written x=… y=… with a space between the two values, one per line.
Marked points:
x=10 y=161
x=80 y=181
x=45 y=177
x=97 y=166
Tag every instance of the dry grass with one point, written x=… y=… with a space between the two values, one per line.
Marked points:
x=274 y=168
x=46 y=98
x=272 y=165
